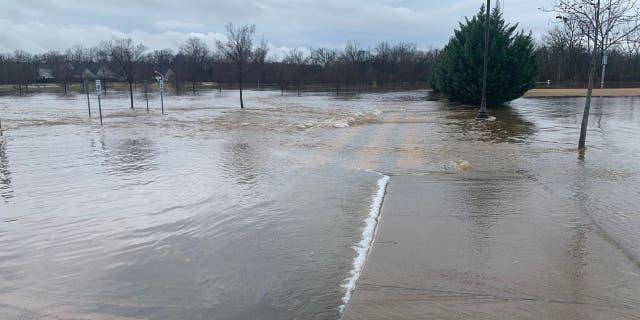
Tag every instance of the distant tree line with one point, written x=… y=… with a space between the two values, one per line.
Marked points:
x=123 y=60
x=564 y=57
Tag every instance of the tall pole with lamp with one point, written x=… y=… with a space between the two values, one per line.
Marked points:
x=482 y=114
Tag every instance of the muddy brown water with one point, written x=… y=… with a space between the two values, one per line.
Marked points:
x=213 y=212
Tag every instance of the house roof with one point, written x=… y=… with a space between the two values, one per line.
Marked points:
x=45 y=73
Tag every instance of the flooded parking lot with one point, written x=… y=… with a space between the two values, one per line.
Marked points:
x=215 y=212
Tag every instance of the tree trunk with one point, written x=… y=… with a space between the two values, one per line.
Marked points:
x=131 y=93
x=20 y=90
x=220 y=87
x=298 y=86
x=240 y=82
x=604 y=68
x=281 y=89
x=65 y=88
x=337 y=87
x=587 y=104
x=592 y=71
x=193 y=88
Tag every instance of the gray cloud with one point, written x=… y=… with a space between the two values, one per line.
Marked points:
x=41 y=25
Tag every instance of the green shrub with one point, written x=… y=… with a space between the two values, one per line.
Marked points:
x=457 y=70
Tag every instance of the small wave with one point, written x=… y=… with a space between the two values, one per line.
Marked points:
x=460 y=165
x=122 y=114
x=352 y=119
x=362 y=248
x=18 y=124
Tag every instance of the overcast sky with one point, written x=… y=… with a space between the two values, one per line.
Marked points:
x=41 y=25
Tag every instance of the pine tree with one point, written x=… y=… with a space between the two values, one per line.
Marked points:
x=457 y=70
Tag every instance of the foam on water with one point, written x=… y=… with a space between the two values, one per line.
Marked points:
x=362 y=248
x=343 y=120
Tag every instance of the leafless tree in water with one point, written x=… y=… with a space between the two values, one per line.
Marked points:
x=605 y=24
x=123 y=55
x=240 y=51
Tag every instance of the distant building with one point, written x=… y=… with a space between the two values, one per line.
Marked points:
x=169 y=74
x=105 y=73
x=88 y=75
x=44 y=74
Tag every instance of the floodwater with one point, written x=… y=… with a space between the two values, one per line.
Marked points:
x=211 y=212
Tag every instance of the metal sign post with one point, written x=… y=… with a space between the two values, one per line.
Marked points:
x=99 y=92
x=161 y=94
x=146 y=93
x=86 y=90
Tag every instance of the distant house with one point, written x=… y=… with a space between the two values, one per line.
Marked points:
x=88 y=75
x=105 y=73
x=44 y=74
x=169 y=74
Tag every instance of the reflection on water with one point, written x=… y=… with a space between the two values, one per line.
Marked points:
x=129 y=155
x=6 y=191
x=508 y=126
x=239 y=162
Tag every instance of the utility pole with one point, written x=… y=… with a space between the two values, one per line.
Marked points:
x=604 y=67
x=146 y=93
x=483 y=104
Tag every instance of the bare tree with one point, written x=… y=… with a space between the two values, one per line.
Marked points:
x=4 y=69
x=239 y=50
x=605 y=23
x=259 y=59
x=354 y=58
x=160 y=59
x=383 y=55
x=196 y=53
x=61 y=67
x=327 y=60
x=22 y=69
x=566 y=45
x=295 y=61
x=123 y=55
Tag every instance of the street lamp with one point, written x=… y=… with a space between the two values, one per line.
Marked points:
x=483 y=104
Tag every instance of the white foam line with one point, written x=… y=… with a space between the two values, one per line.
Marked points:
x=362 y=248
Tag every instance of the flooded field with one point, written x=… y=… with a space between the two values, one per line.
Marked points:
x=211 y=212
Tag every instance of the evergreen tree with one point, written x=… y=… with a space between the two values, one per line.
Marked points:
x=457 y=70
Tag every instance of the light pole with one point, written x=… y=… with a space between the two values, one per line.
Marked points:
x=160 y=79
x=483 y=104
x=604 y=67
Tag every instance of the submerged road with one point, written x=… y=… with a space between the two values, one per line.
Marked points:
x=484 y=245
